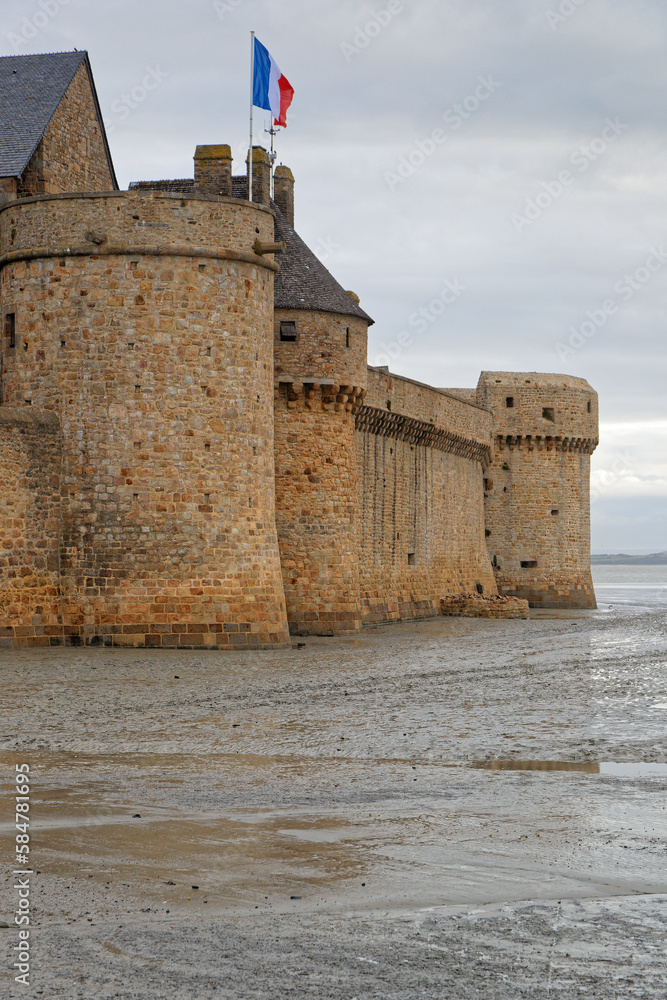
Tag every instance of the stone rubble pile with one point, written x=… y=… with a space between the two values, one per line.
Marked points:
x=478 y=606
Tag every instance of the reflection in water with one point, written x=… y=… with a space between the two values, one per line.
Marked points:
x=619 y=769
x=536 y=765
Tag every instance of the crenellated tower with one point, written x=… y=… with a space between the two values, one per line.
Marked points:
x=536 y=491
x=320 y=346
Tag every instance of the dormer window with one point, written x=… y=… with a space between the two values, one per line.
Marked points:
x=288 y=330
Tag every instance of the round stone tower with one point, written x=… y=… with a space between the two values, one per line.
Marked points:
x=320 y=346
x=537 y=494
x=143 y=321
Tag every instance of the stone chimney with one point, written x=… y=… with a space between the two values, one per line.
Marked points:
x=261 y=175
x=283 y=192
x=213 y=170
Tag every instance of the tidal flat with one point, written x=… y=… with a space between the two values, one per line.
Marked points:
x=451 y=808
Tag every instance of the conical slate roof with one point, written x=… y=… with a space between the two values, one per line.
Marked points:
x=31 y=88
x=303 y=281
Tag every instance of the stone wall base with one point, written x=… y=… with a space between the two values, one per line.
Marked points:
x=145 y=635
x=478 y=606
x=549 y=595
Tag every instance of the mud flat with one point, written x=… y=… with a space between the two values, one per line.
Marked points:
x=447 y=809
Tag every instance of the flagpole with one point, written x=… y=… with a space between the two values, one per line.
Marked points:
x=252 y=84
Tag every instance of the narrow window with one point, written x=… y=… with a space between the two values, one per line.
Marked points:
x=588 y=406
x=528 y=563
x=10 y=328
x=548 y=413
x=479 y=588
x=509 y=402
x=555 y=513
x=347 y=336
x=288 y=330
x=411 y=559
x=207 y=497
x=389 y=404
x=207 y=446
x=137 y=388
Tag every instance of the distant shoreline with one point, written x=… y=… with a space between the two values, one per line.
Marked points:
x=656 y=559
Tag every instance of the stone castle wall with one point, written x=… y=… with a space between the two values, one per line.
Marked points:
x=72 y=155
x=419 y=458
x=153 y=347
x=537 y=488
x=30 y=471
x=184 y=472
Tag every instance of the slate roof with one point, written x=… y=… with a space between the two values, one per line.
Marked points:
x=31 y=88
x=303 y=281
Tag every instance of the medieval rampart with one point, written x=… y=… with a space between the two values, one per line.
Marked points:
x=420 y=455
x=145 y=323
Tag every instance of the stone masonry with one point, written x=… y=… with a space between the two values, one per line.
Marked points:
x=194 y=450
x=72 y=156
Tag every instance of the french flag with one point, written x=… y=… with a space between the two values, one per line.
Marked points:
x=270 y=89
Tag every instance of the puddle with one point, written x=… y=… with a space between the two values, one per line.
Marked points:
x=617 y=769
x=536 y=765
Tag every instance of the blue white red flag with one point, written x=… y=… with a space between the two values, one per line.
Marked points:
x=270 y=89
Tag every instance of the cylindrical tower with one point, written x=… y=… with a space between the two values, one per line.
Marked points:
x=537 y=494
x=320 y=344
x=144 y=322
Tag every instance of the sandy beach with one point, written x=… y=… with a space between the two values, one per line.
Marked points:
x=447 y=809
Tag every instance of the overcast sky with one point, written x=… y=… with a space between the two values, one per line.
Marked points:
x=490 y=176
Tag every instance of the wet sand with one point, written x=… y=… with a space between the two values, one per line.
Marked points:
x=451 y=809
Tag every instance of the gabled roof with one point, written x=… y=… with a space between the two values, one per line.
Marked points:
x=303 y=281
x=31 y=89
